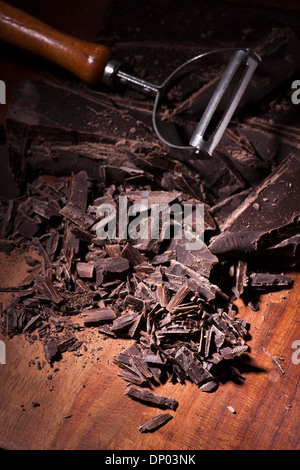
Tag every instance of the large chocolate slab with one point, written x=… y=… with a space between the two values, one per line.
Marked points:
x=267 y=217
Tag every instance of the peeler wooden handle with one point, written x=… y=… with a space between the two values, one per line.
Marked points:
x=84 y=59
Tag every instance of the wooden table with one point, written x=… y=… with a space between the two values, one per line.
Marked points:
x=83 y=406
x=81 y=399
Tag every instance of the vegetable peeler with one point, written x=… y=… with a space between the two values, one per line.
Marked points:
x=93 y=64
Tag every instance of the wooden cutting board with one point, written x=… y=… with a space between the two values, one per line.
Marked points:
x=82 y=403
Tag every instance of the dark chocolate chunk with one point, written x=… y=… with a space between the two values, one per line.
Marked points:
x=100 y=315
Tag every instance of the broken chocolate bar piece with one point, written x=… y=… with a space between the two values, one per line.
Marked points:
x=75 y=209
x=50 y=349
x=45 y=285
x=66 y=344
x=200 y=260
x=108 y=269
x=99 y=315
x=268 y=216
x=230 y=353
x=192 y=367
x=178 y=298
x=77 y=215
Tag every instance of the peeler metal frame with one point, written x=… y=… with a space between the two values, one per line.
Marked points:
x=221 y=106
x=91 y=63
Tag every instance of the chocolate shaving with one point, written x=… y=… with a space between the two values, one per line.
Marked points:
x=155 y=423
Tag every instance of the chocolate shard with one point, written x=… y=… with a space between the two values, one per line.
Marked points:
x=130 y=377
x=178 y=298
x=113 y=251
x=209 y=386
x=134 y=302
x=75 y=209
x=192 y=367
x=32 y=322
x=153 y=197
x=133 y=255
x=270 y=280
x=230 y=353
x=50 y=349
x=201 y=260
x=150 y=398
x=192 y=279
x=77 y=215
x=123 y=322
x=154 y=423
x=136 y=326
x=82 y=234
x=132 y=360
x=164 y=257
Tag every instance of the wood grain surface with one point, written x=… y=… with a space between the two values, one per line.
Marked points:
x=83 y=406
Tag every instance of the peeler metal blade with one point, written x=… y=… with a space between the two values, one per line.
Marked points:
x=224 y=101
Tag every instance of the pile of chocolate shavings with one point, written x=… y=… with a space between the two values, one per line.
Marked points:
x=177 y=305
